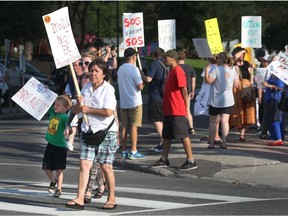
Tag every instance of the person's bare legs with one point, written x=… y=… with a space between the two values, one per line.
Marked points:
x=85 y=166
x=60 y=175
x=166 y=148
x=124 y=138
x=134 y=137
x=159 y=127
x=188 y=148
x=217 y=137
x=50 y=175
x=224 y=128
x=214 y=121
x=110 y=181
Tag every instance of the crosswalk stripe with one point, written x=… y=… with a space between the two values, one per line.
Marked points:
x=45 y=210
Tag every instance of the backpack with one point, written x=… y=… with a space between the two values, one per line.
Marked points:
x=166 y=70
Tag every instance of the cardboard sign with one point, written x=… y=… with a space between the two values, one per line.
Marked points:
x=167 y=34
x=251 y=31
x=61 y=37
x=202 y=47
x=133 y=30
x=35 y=98
x=280 y=67
x=213 y=36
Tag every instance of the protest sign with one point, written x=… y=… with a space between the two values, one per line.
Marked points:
x=61 y=37
x=259 y=77
x=133 y=30
x=167 y=34
x=280 y=67
x=202 y=47
x=251 y=31
x=213 y=36
x=35 y=98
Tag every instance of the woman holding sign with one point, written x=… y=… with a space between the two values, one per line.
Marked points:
x=98 y=103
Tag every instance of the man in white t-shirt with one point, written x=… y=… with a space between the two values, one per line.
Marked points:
x=130 y=85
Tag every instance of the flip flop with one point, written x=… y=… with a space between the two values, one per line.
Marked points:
x=74 y=205
x=110 y=206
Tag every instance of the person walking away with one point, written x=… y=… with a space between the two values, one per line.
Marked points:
x=156 y=78
x=175 y=105
x=191 y=83
x=130 y=86
x=56 y=153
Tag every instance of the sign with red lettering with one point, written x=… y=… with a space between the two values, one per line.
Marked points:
x=35 y=98
x=61 y=37
x=167 y=34
x=133 y=30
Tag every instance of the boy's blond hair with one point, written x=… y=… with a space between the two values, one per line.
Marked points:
x=66 y=101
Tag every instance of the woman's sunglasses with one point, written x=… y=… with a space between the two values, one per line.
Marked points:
x=82 y=63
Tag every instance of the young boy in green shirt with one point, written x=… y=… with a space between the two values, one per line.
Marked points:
x=56 y=151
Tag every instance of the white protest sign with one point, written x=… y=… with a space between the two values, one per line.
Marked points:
x=133 y=30
x=259 y=77
x=35 y=98
x=251 y=31
x=202 y=47
x=167 y=34
x=61 y=37
x=280 y=67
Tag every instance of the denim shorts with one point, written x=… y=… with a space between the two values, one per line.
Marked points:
x=104 y=153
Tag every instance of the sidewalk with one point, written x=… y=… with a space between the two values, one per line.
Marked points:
x=252 y=162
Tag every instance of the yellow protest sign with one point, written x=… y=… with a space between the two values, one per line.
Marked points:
x=213 y=36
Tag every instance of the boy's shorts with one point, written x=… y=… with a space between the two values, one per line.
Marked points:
x=132 y=117
x=175 y=127
x=155 y=111
x=54 y=158
x=104 y=153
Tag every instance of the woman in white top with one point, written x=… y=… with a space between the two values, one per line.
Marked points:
x=221 y=101
x=98 y=97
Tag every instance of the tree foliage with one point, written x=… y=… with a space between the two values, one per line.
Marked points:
x=23 y=20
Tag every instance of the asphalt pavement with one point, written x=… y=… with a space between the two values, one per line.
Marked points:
x=253 y=162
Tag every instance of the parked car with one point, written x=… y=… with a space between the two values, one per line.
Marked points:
x=31 y=71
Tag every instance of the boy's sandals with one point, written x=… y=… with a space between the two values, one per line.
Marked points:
x=87 y=198
x=109 y=206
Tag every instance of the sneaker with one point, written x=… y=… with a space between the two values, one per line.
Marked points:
x=137 y=155
x=124 y=155
x=70 y=147
x=52 y=187
x=158 y=148
x=188 y=166
x=57 y=193
x=192 y=130
x=161 y=163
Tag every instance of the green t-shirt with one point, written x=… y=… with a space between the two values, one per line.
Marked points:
x=56 y=127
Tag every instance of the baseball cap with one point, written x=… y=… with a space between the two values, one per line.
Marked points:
x=172 y=54
x=129 y=52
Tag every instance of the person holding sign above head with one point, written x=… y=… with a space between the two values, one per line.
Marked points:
x=130 y=86
x=56 y=152
x=98 y=102
x=244 y=113
x=175 y=102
